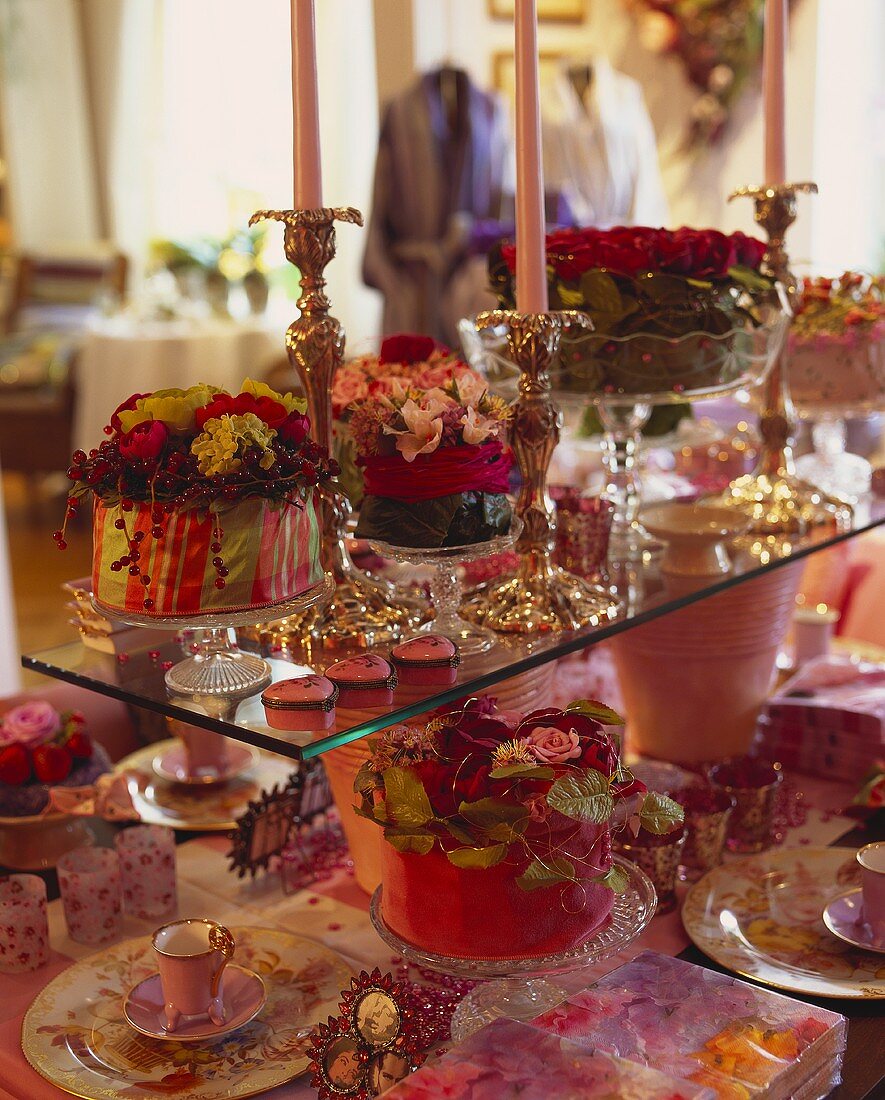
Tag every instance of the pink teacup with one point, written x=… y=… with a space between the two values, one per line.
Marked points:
x=192 y=955
x=872 y=879
x=206 y=753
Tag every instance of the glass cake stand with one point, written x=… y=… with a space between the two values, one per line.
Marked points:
x=518 y=988
x=445 y=584
x=218 y=672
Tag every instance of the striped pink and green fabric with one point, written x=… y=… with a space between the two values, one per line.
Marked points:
x=272 y=552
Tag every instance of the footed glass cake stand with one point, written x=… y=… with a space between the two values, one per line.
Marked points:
x=218 y=673
x=445 y=585
x=519 y=988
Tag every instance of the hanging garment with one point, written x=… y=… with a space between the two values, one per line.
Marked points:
x=599 y=148
x=441 y=163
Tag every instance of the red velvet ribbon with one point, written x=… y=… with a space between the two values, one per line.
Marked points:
x=483 y=469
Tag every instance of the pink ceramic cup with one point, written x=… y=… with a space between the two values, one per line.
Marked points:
x=24 y=929
x=89 y=881
x=871 y=859
x=206 y=753
x=191 y=956
x=147 y=867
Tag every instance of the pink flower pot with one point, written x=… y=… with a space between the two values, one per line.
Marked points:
x=694 y=680
x=364 y=839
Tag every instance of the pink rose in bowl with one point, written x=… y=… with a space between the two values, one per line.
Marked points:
x=554 y=746
x=30 y=725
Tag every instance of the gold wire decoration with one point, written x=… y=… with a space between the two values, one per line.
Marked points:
x=541 y=596
x=364 y=611
x=782 y=507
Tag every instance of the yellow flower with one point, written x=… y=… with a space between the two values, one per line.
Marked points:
x=225 y=438
x=176 y=408
x=513 y=752
x=288 y=400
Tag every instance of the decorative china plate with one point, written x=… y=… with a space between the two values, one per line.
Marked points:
x=210 y=808
x=761 y=917
x=172 y=765
x=75 y=1036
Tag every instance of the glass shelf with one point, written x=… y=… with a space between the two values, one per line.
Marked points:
x=138 y=679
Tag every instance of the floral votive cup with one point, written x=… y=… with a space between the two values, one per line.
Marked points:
x=659 y=857
x=89 y=881
x=24 y=928
x=583 y=528
x=754 y=784
x=147 y=866
x=707 y=814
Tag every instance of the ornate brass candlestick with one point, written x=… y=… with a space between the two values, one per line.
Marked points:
x=363 y=610
x=542 y=596
x=781 y=506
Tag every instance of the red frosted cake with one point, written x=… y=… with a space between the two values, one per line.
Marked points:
x=497 y=833
x=204 y=502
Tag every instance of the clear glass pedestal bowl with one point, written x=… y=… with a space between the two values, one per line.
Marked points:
x=520 y=988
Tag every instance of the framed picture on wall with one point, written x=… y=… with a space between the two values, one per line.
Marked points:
x=504 y=70
x=549 y=11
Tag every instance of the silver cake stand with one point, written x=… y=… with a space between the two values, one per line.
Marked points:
x=519 y=988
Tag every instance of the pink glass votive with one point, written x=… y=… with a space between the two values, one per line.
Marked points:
x=24 y=928
x=707 y=814
x=89 y=881
x=753 y=784
x=583 y=528
x=147 y=867
x=659 y=857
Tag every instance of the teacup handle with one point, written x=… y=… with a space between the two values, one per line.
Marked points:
x=221 y=941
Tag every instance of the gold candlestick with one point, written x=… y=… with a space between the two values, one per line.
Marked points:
x=364 y=611
x=542 y=596
x=782 y=507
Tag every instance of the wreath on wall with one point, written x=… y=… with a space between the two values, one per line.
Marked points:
x=720 y=44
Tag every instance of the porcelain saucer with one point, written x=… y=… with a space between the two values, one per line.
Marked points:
x=844 y=918
x=171 y=765
x=243 y=993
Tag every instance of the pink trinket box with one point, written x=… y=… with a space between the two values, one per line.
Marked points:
x=366 y=681
x=302 y=703
x=429 y=659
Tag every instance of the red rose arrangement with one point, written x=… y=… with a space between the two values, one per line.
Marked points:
x=485 y=790
x=836 y=311
x=38 y=744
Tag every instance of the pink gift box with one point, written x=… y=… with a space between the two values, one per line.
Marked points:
x=89 y=880
x=24 y=930
x=147 y=868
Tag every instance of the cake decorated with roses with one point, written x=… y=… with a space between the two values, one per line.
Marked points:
x=41 y=748
x=204 y=501
x=497 y=829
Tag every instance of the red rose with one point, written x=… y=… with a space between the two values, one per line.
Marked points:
x=449 y=784
x=407 y=347
x=597 y=750
x=713 y=252
x=749 y=251
x=294 y=429
x=674 y=254
x=128 y=404
x=222 y=404
x=145 y=442
x=478 y=736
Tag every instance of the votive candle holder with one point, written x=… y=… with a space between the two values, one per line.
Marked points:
x=147 y=867
x=659 y=857
x=24 y=927
x=583 y=529
x=89 y=881
x=707 y=815
x=754 y=785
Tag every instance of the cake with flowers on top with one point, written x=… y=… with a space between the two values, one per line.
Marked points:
x=203 y=502
x=498 y=832
x=41 y=748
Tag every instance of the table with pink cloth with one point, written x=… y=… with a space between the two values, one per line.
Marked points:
x=334 y=912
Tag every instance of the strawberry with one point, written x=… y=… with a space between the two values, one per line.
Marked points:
x=79 y=745
x=15 y=765
x=52 y=763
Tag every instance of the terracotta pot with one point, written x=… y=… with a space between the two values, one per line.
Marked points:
x=363 y=838
x=695 y=680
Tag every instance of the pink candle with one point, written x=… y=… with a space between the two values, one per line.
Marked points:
x=774 y=53
x=305 y=108
x=531 y=257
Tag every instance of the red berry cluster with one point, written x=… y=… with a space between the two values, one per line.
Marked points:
x=49 y=763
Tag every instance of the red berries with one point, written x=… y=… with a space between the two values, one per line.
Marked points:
x=15 y=765
x=79 y=745
x=52 y=764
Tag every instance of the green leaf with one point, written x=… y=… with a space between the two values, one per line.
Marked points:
x=407 y=800
x=538 y=875
x=477 y=859
x=522 y=771
x=460 y=834
x=659 y=814
x=366 y=780
x=489 y=812
x=571 y=299
x=615 y=878
x=599 y=712
x=601 y=293
x=419 y=843
x=582 y=796
x=507 y=832
x=749 y=277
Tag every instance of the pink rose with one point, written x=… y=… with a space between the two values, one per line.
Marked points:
x=538 y=809
x=553 y=746
x=30 y=725
x=348 y=388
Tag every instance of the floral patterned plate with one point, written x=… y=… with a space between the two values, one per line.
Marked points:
x=762 y=917
x=75 y=1036
x=212 y=808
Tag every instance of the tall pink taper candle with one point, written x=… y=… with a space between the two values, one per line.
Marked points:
x=531 y=256
x=305 y=109
x=774 y=57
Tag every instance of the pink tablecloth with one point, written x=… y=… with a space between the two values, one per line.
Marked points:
x=334 y=912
